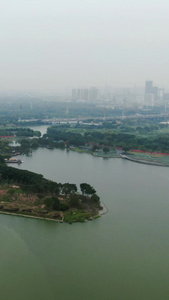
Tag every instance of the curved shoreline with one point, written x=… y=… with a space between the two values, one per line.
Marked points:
x=145 y=162
x=137 y=160
x=104 y=210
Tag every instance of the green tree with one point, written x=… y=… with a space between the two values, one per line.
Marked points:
x=52 y=203
x=69 y=188
x=87 y=189
x=106 y=150
x=126 y=148
x=74 y=200
x=95 y=198
x=95 y=147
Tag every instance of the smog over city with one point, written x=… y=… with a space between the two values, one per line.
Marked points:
x=48 y=46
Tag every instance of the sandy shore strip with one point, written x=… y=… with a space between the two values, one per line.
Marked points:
x=104 y=210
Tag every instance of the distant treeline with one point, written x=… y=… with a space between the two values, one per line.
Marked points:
x=146 y=141
x=26 y=132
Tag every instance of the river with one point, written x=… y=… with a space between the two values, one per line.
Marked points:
x=122 y=255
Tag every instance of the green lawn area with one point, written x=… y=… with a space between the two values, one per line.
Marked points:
x=76 y=216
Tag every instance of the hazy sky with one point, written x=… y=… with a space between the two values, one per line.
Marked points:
x=48 y=44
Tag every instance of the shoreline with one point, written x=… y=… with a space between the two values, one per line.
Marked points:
x=104 y=210
x=145 y=161
x=137 y=160
x=100 y=213
x=29 y=216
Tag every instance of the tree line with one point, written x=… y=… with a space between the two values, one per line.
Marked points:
x=33 y=183
x=151 y=142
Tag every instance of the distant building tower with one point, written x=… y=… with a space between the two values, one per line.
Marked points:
x=148 y=87
x=79 y=94
x=151 y=93
x=74 y=95
x=93 y=94
x=161 y=94
x=85 y=94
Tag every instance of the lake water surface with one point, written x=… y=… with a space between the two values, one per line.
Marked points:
x=122 y=255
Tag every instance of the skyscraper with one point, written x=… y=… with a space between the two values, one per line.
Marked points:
x=151 y=93
x=93 y=94
x=148 y=87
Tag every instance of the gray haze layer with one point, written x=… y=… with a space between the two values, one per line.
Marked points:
x=50 y=44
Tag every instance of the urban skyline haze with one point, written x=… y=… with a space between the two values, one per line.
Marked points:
x=50 y=45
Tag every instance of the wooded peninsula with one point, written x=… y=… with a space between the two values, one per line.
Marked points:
x=29 y=194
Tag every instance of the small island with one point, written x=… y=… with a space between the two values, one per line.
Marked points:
x=28 y=194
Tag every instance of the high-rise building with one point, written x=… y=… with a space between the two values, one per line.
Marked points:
x=85 y=94
x=74 y=95
x=93 y=94
x=152 y=93
x=148 y=87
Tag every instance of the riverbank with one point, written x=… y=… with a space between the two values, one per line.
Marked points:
x=110 y=154
x=30 y=216
x=104 y=209
x=148 y=158
x=69 y=218
x=144 y=161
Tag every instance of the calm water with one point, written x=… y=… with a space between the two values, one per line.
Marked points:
x=123 y=255
x=41 y=128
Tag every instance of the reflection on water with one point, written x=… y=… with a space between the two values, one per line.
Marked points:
x=42 y=128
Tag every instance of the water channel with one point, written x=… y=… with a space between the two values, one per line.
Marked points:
x=122 y=255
